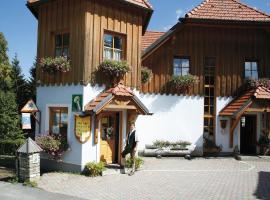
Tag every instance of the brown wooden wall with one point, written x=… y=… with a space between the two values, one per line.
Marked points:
x=86 y=21
x=230 y=45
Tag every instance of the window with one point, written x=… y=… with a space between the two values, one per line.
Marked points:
x=209 y=96
x=251 y=70
x=180 y=66
x=113 y=47
x=62 y=45
x=59 y=121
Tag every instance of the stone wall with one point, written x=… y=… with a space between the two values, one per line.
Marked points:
x=29 y=167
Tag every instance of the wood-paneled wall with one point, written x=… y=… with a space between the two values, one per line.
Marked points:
x=86 y=21
x=231 y=46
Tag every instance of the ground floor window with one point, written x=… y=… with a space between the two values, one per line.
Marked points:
x=59 y=121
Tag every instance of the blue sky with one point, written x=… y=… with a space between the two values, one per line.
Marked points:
x=20 y=27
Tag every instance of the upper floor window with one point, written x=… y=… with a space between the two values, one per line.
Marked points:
x=59 y=120
x=251 y=70
x=62 y=45
x=113 y=47
x=180 y=66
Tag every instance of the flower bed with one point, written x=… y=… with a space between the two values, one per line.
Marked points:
x=54 y=145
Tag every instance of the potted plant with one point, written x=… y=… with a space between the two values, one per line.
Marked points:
x=146 y=75
x=52 y=65
x=114 y=70
x=183 y=83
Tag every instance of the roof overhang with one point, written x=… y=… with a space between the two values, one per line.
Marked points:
x=33 y=7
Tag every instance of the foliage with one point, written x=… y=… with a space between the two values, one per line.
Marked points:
x=5 y=69
x=52 y=65
x=253 y=83
x=93 y=169
x=146 y=74
x=10 y=146
x=263 y=140
x=32 y=82
x=54 y=145
x=114 y=70
x=9 y=117
x=14 y=180
x=173 y=145
x=30 y=183
x=138 y=162
x=183 y=83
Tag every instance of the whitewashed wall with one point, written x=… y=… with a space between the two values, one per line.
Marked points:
x=58 y=96
x=175 y=118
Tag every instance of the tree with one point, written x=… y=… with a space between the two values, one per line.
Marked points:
x=20 y=85
x=9 y=118
x=5 y=69
x=32 y=82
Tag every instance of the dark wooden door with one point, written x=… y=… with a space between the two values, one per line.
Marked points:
x=248 y=134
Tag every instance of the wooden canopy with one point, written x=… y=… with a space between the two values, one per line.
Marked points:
x=254 y=100
x=118 y=97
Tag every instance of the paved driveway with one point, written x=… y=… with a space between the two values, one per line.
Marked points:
x=172 y=178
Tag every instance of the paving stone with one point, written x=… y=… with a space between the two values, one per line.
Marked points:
x=171 y=178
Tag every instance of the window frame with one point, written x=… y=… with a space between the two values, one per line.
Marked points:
x=181 y=67
x=250 y=61
x=52 y=110
x=123 y=50
x=62 y=47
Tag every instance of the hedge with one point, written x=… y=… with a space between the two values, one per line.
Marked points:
x=9 y=147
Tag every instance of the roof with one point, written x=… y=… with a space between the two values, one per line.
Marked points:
x=150 y=37
x=142 y=3
x=29 y=147
x=227 y=10
x=245 y=101
x=217 y=11
x=104 y=98
x=30 y=107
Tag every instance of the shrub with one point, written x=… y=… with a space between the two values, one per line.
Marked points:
x=183 y=83
x=9 y=147
x=53 y=145
x=52 y=65
x=93 y=169
x=30 y=183
x=138 y=162
x=114 y=70
x=146 y=75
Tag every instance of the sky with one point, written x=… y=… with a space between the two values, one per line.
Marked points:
x=20 y=26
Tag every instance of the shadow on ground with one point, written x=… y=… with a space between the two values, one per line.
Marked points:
x=263 y=186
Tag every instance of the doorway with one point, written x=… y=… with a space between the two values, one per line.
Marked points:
x=248 y=130
x=109 y=137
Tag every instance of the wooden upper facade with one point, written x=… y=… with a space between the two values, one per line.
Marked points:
x=228 y=32
x=77 y=28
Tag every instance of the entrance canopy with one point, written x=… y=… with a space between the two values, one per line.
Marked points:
x=118 y=97
x=254 y=100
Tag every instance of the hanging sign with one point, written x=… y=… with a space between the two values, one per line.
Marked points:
x=30 y=107
x=77 y=100
x=26 y=121
x=82 y=128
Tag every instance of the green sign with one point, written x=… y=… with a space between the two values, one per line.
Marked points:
x=77 y=102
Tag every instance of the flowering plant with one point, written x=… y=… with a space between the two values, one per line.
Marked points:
x=52 y=65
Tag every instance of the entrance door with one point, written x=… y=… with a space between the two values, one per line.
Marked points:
x=109 y=138
x=248 y=134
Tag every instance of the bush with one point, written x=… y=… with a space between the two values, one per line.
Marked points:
x=30 y=183
x=183 y=83
x=146 y=75
x=9 y=147
x=93 y=169
x=53 y=145
x=138 y=162
x=114 y=70
x=52 y=65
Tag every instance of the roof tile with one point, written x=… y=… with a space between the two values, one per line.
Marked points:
x=150 y=37
x=227 y=10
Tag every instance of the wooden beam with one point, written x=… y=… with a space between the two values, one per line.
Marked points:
x=234 y=123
